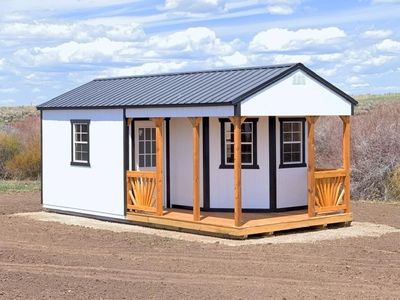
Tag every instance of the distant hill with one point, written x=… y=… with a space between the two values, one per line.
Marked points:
x=9 y=115
x=367 y=102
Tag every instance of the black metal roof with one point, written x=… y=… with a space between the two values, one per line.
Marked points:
x=213 y=87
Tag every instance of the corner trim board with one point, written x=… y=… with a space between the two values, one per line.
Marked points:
x=206 y=162
x=272 y=163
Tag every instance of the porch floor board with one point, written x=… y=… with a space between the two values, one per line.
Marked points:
x=222 y=223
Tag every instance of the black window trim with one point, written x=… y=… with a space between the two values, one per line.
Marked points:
x=74 y=163
x=294 y=165
x=223 y=165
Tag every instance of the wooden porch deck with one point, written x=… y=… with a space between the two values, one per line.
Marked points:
x=223 y=223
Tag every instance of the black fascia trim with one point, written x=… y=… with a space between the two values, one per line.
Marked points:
x=222 y=145
x=41 y=157
x=206 y=162
x=303 y=150
x=168 y=163
x=74 y=163
x=228 y=103
x=272 y=162
x=327 y=84
x=125 y=156
x=289 y=71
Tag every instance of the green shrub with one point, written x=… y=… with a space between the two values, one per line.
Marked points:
x=10 y=146
x=26 y=164
x=394 y=185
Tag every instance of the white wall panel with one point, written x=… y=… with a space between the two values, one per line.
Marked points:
x=284 y=98
x=98 y=189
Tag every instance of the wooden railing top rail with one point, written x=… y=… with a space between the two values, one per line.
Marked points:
x=330 y=173
x=143 y=174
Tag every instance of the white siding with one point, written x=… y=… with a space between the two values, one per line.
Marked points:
x=181 y=163
x=291 y=183
x=255 y=182
x=287 y=99
x=176 y=112
x=98 y=189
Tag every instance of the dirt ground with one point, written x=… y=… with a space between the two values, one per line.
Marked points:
x=51 y=260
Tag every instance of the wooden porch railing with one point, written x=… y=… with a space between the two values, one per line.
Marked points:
x=329 y=190
x=141 y=191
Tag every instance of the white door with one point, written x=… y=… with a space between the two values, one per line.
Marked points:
x=145 y=145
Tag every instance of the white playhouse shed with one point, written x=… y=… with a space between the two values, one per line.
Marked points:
x=222 y=151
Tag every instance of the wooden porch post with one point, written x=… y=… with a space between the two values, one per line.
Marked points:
x=346 y=161
x=311 y=165
x=159 y=165
x=237 y=167
x=196 y=169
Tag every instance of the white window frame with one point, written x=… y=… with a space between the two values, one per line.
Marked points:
x=300 y=142
x=228 y=132
x=75 y=124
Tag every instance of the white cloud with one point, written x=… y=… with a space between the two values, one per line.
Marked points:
x=279 y=39
x=10 y=90
x=72 y=31
x=389 y=45
x=72 y=52
x=59 y=5
x=147 y=68
x=195 y=39
x=377 y=34
x=282 y=7
x=190 y=6
x=386 y=1
x=236 y=59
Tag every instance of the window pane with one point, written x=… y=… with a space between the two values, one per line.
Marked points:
x=153 y=160
x=78 y=155
x=148 y=148
x=141 y=147
x=296 y=156
x=287 y=148
x=141 y=161
x=296 y=126
x=148 y=160
x=246 y=158
x=297 y=136
x=229 y=153
x=84 y=128
x=153 y=147
x=247 y=137
x=287 y=127
x=296 y=147
x=84 y=137
x=141 y=134
x=247 y=127
x=85 y=156
x=153 y=133
x=78 y=147
x=246 y=148
x=147 y=134
x=85 y=147
x=77 y=137
x=287 y=137
x=287 y=157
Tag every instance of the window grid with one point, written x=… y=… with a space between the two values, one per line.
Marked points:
x=81 y=142
x=147 y=147
x=292 y=142
x=246 y=143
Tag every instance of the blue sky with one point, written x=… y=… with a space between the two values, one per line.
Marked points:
x=50 y=46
